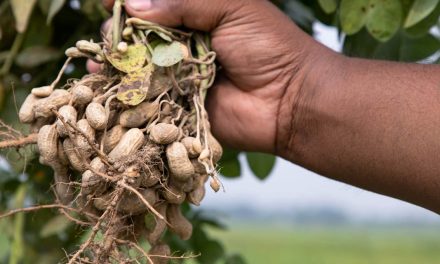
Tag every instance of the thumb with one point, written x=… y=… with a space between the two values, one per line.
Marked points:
x=203 y=15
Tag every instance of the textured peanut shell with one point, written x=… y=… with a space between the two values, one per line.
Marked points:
x=174 y=195
x=130 y=203
x=39 y=122
x=198 y=167
x=130 y=142
x=178 y=162
x=48 y=144
x=150 y=177
x=81 y=94
x=154 y=235
x=178 y=223
x=26 y=113
x=164 y=133
x=64 y=191
x=199 y=190
x=57 y=99
x=96 y=116
x=216 y=148
x=81 y=141
x=69 y=114
x=193 y=146
x=112 y=137
x=92 y=183
x=139 y=115
x=160 y=250
x=75 y=161
x=43 y=91
x=62 y=157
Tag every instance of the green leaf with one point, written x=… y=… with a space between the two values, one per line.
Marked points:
x=56 y=225
x=419 y=10
x=36 y=55
x=55 y=7
x=231 y=169
x=384 y=18
x=229 y=163
x=423 y=27
x=329 y=6
x=413 y=50
x=353 y=15
x=22 y=10
x=261 y=164
x=169 y=54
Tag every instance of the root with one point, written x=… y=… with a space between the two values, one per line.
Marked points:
x=20 y=142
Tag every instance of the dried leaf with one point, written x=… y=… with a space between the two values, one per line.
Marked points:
x=134 y=86
x=131 y=61
x=22 y=10
x=55 y=7
x=168 y=54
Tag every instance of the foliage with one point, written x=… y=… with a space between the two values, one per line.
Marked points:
x=34 y=35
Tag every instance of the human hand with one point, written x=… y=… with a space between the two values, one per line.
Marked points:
x=264 y=56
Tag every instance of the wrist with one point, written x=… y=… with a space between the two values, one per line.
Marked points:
x=302 y=103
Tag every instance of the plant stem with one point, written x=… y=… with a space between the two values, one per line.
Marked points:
x=117 y=9
x=11 y=56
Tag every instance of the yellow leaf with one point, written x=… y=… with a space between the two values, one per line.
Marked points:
x=132 y=60
x=135 y=85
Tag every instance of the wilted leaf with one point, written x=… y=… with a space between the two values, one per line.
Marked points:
x=35 y=56
x=57 y=224
x=419 y=10
x=329 y=6
x=166 y=55
x=134 y=86
x=384 y=18
x=132 y=60
x=22 y=10
x=353 y=15
x=55 y=7
x=261 y=164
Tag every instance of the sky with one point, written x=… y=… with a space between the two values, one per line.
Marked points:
x=290 y=186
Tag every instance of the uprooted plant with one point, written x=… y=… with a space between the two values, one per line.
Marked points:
x=136 y=131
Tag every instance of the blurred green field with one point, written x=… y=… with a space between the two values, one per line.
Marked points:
x=333 y=245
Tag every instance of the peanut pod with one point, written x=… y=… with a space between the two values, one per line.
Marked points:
x=81 y=141
x=178 y=223
x=81 y=94
x=64 y=191
x=43 y=91
x=26 y=113
x=57 y=99
x=162 y=250
x=164 y=134
x=112 y=137
x=150 y=177
x=128 y=145
x=69 y=114
x=47 y=143
x=139 y=115
x=193 y=146
x=75 y=161
x=155 y=233
x=174 y=195
x=92 y=183
x=96 y=116
x=178 y=162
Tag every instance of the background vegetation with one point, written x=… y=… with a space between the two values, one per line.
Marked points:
x=33 y=37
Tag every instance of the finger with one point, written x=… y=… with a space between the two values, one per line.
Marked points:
x=202 y=15
x=92 y=66
x=108 y=4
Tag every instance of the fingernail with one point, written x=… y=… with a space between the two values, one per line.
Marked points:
x=139 y=5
